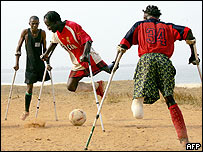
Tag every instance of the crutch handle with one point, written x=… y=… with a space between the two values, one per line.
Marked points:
x=117 y=61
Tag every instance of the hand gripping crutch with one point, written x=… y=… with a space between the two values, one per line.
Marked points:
x=105 y=92
x=197 y=61
x=10 y=93
x=95 y=94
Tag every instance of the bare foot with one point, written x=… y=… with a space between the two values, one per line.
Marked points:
x=24 y=115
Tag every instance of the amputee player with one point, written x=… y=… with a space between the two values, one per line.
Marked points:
x=35 y=41
x=155 y=71
x=77 y=43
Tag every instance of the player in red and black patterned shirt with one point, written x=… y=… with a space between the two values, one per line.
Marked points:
x=155 y=71
x=77 y=43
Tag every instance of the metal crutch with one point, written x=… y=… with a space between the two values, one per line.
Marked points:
x=10 y=93
x=197 y=62
x=95 y=94
x=45 y=71
x=53 y=96
x=44 y=76
x=107 y=87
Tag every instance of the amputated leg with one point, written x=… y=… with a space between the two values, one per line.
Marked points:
x=74 y=85
x=137 y=108
x=86 y=87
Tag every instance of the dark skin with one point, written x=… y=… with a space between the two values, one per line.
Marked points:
x=34 y=23
x=58 y=26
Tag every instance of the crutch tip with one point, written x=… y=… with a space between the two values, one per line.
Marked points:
x=5 y=118
x=103 y=130
x=85 y=148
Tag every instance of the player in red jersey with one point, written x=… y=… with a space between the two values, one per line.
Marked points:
x=77 y=43
x=155 y=71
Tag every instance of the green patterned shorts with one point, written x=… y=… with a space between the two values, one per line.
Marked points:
x=154 y=73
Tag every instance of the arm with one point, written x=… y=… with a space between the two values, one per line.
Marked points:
x=190 y=40
x=44 y=48
x=18 y=50
x=84 y=57
x=45 y=56
x=131 y=38
x=44 y=43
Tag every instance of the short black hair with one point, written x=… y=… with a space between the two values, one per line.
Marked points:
x=34 y=18
x=52 y=16
x=152 y=10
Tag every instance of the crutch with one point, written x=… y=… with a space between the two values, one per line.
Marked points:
x=45 y=71
x=95 y=94
x=10 y=93
x=53 y=96
x=197 y=61
x=44 y=76
x=105 y=92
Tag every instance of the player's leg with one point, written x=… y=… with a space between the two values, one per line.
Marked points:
x=101 y=66
x=28 y=97
x=177 y=119
x=145 y=85
x=167 y=83
x=74 y=85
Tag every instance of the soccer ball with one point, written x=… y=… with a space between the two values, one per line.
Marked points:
x=77 y=117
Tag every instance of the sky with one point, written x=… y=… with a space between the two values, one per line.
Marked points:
x=106 y=22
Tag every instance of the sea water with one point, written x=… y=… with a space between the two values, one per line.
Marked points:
x=185 y=74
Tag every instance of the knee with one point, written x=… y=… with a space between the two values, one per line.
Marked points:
x=29 y=90
x=169 y=101
x=71 y=88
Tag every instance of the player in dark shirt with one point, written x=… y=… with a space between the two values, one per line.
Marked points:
x=35 y=40
x=155 y=71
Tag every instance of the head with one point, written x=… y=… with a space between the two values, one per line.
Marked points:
x=34 y=22
x=151 y=11
x=52 y=20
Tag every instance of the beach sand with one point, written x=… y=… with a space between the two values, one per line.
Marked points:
x=122 y=131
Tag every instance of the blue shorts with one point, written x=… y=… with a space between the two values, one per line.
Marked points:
x=154 y=73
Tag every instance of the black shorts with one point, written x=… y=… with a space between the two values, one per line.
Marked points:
x=33 y=77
